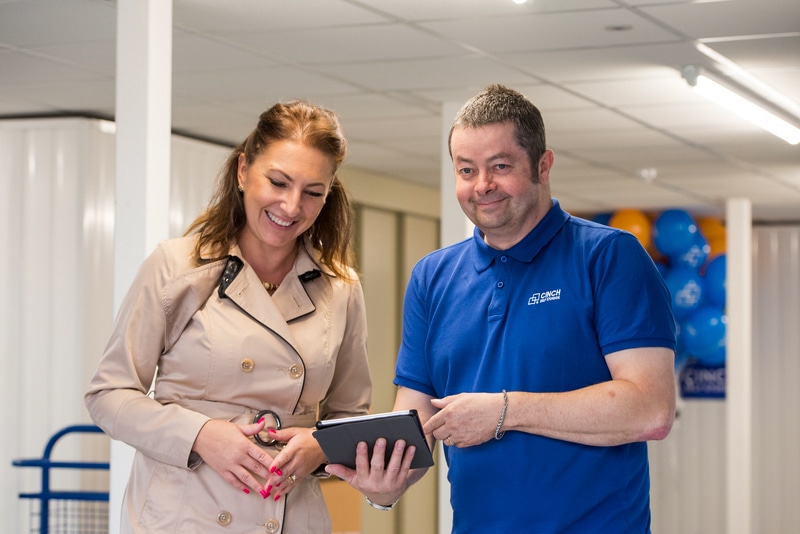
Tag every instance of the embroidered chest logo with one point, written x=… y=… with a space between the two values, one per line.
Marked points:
x=544 y=296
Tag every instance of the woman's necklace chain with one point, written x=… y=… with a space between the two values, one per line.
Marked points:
x=269 y=286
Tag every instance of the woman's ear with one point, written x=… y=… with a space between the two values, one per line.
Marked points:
x=241 y=169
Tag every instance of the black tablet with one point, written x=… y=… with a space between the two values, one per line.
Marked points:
x=339 y=437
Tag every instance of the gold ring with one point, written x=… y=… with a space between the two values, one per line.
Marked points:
x=293 y=478
x=448 y=441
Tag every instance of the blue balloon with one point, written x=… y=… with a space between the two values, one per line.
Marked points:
x=681 y=356
x=694 y=256
x=681 y=359
x=704 y=332
x=715 y=281
x=674 y=232
x=686 y=289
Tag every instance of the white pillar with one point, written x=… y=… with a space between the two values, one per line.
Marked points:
x=143 y=119
x=454 y=227
x=739 y=366
x=454 y=224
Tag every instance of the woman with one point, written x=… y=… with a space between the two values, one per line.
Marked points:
x=253 y=327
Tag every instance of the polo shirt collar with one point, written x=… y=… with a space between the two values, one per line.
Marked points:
x=529 y=247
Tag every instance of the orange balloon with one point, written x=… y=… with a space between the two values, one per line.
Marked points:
x=635 y=222
x=711 y=228
x=717 y=246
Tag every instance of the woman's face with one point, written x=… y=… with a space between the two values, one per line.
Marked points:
x=285 y=188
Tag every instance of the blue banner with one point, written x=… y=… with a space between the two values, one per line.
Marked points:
x=702 y=381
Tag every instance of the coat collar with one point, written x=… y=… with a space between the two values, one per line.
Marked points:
x=238 y=281
x=290 y=302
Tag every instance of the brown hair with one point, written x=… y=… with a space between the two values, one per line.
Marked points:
x=497 y=104
x=332 y=231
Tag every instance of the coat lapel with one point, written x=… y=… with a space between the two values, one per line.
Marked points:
x=247 y=292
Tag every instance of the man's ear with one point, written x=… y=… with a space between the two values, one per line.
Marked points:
x=545 y=164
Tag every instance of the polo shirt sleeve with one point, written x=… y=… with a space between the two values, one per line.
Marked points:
x=412 y=370
x=633 y=306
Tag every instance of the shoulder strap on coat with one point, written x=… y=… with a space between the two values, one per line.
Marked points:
x=185 y=295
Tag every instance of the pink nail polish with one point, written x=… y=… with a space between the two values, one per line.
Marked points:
x=272 y=469
x=279 y=472
x=277 y=497
x=272 y=431
x=246 y=491
x=261 y=420
x=264 y=493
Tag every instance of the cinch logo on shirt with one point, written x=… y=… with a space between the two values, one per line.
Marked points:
x=544 y=296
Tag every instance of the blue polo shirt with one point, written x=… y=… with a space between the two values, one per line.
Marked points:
x=538 y=317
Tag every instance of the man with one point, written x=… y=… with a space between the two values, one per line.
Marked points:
x=540 y=351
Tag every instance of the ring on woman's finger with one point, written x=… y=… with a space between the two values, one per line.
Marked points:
x=293 y=478
x=448 y=441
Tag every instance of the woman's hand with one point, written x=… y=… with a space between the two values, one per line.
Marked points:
x=226 y=447
x=301 y=456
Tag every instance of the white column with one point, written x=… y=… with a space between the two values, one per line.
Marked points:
x=454 y=227
x=739 y=367
x=143 y=118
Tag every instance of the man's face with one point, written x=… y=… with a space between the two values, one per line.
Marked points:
x=495 y=183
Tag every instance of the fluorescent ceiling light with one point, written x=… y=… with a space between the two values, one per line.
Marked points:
x=703 y=84
x=746 y=79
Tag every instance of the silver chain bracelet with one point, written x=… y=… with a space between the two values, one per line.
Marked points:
x=498 y=434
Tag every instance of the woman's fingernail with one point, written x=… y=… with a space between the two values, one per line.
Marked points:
x=264 y=493
x=277 y=497
x=272 y=469
x=279 y=472
x=246 y=491
x=261 y=420
x=272 y=431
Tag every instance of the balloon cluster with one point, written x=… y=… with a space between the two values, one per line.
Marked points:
x=690 y=254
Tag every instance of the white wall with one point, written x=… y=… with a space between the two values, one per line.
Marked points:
x=57 y=226
x=776 y=376
x=688 y=469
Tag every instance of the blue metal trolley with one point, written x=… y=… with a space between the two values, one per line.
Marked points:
x=65 y=512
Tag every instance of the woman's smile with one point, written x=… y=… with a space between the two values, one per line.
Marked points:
x=278 y=220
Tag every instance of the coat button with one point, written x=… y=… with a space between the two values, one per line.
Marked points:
x=224 y=518
x=247 y=365
x=296 y=371
x=272 y=526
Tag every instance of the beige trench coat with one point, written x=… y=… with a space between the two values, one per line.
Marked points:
x=301 y=353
